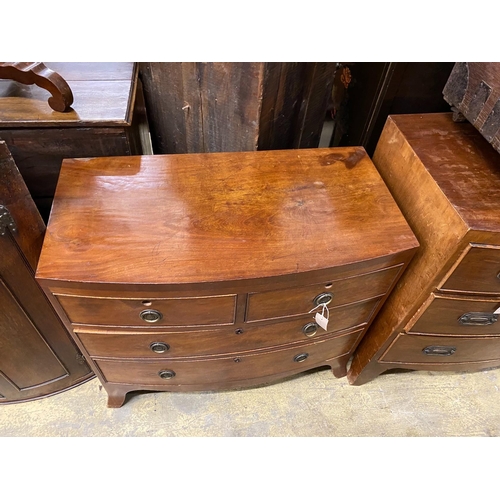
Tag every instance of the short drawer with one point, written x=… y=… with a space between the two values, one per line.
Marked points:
x=432 y=349
x=459 y=316
x=300 y=300
x=247 y=338
x=188 y=311
x=227 y=368
x=477 y=272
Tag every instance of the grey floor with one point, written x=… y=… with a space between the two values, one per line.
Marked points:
x=311 y=404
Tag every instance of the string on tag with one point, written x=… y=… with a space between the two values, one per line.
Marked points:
x=321 y=317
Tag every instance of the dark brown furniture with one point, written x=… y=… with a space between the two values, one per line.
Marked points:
x=37 y=355
x=36 y=73
x=200 y=271
x=209 y=107
x=473 y=89
x=107 y=118
x=444 y=313
x=365 y=93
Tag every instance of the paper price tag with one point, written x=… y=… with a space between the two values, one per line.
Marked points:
x=497 y=311
x=321 y=320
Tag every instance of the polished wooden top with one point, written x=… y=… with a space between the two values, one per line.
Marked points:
x=198 y=218
x=102 y=92
x=464 y=165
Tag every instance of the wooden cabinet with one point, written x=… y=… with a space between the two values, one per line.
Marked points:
x=107 y=118
x=444 y=313
x=204 y=271
x=37 y=355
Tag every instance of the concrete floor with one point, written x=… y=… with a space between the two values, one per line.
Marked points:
x=310 y=404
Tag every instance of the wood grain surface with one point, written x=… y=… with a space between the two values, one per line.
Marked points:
x=102 y=95
x=219 y=217
x=214 y=107
x=446 y=179
x=463 y=165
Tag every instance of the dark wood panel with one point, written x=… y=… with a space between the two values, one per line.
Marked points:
x=37 y=355
x=25 y=358
x=473 y=88
x=212 y=107
x=15 y=196
x=202 y=107
x=39 y=155
x=366 y=93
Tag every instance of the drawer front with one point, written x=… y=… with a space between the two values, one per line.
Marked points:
x=189 y=311
x=228 y=368
x=477 y=272
x=196 y=343
x=454 y=316
x=427 y=349
x=300 y=300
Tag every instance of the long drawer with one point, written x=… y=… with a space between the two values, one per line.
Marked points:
x=146 y=312
x=225 y=368
x=477 y=272
x=299 y=300
x=432 y=349
x=459 y=316
x=135 y=344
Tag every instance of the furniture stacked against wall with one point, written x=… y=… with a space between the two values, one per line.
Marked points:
x=443 y=314
x=215 y=107
x=205 y=271
x=473 y=90
x=364 y=94
x=107 y=118
x=37 y=355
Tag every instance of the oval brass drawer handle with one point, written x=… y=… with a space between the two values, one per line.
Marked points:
x=166 y=374
x=301 y=357
x=310 y=329
x=477 y=319
x=159 y=347
x=151 y=315
x=439 y=350
x=323 y=298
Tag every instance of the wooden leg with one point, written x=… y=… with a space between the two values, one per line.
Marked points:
x=116 y=396
x=359 y=375
x=339 y=366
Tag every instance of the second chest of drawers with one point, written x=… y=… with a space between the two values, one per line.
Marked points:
x=444 y=313
x=203 y=272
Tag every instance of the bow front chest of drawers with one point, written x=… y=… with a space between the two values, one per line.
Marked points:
x=200 y=271
x=444 y=312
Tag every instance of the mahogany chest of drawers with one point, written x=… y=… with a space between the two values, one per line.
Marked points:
x=443 y=314
x=201 y=271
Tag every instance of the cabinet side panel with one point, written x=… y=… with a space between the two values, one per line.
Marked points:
x=436 y=225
